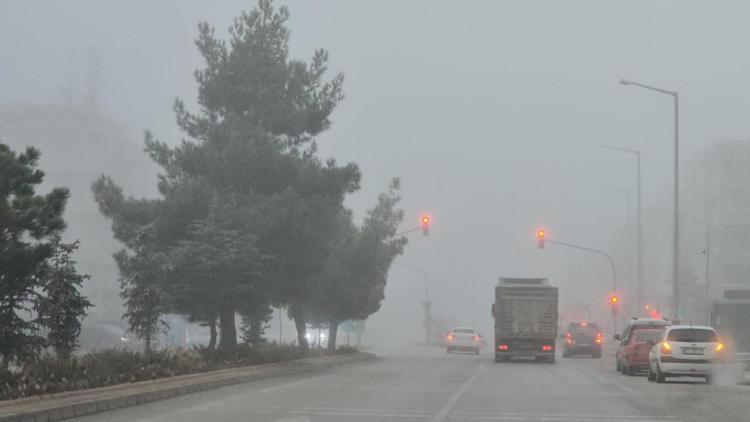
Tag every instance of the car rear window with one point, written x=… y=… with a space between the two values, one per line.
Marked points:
x=464 y=330
x=650 y=334
x=587 y=329
x=692 y=335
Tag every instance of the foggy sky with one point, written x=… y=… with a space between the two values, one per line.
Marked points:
x=489 y=111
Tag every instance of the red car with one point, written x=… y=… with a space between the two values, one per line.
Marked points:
x=636 y=343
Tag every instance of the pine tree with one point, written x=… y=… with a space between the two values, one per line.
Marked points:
x=62 y=307
x=29 y=225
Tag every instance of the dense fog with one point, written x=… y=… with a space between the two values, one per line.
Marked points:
x=491 y=113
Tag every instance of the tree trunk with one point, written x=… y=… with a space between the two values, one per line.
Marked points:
x=333 y=329
x=147 y=346
x=212 y=330
x=228 y=330
x=301 y=325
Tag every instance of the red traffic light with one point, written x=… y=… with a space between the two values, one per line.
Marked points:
x=425 y=225
x=540 y=238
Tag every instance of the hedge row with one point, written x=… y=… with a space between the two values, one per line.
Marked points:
x=116 y=366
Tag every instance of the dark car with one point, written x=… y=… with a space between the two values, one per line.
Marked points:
x=583 y=338
x=636 y=341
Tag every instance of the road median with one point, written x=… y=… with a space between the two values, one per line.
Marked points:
x=67 y=405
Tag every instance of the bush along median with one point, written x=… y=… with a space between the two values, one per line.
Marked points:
x=50 y=374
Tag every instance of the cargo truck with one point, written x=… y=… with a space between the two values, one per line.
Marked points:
x=525 y=313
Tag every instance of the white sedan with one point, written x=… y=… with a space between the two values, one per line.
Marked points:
x=463 y=339
x=686 y=351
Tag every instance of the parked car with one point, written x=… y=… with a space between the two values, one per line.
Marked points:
x=686 y=350
x=583 y=338
x=629 y=331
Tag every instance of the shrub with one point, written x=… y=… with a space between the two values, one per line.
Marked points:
x=50 y=374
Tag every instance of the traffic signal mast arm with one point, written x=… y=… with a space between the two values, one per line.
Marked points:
x=409 y=231
x=424 y=226
x=596 y=251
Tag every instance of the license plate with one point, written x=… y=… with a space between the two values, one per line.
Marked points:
x=692 y=350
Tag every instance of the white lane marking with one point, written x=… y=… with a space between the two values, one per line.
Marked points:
x=552 y=419
x=442 y=414
x=361 y=410
x=559 y=416
x=360 y=414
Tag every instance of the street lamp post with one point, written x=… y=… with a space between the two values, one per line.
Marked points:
x=629 y=249
x=676 y=226
x=639 y=229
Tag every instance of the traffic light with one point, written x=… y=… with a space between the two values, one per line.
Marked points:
x=614 y=303
x=425 y=225
x=540 y=238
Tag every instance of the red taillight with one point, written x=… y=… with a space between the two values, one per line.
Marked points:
x=477 y=338
x=547 y=348
x=502 y=347
x=599 y=338
x=450 y=337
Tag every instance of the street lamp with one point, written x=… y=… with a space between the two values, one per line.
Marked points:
x=629 y=250
x=676 y=227
x=639 y=229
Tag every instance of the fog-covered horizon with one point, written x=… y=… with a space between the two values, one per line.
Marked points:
x=491 y=114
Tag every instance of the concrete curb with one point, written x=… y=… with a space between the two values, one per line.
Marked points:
x=72 y=404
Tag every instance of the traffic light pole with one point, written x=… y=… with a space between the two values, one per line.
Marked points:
x=426 y=304
x=611 y=264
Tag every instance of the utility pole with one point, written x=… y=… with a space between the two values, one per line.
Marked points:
x=707 y=251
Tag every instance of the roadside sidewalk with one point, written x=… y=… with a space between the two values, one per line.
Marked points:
x=71 y=404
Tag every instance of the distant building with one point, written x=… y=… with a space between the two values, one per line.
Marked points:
x=78 y=146
x=716 y=210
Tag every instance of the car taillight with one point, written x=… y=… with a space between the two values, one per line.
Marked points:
x=450 y=337
x=502 y=347
x=547 y=348
x=666 y=349
x=599 y=338
x=719 y=347
x=477 y=338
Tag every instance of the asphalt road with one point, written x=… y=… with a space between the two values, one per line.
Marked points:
x=432 y=386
